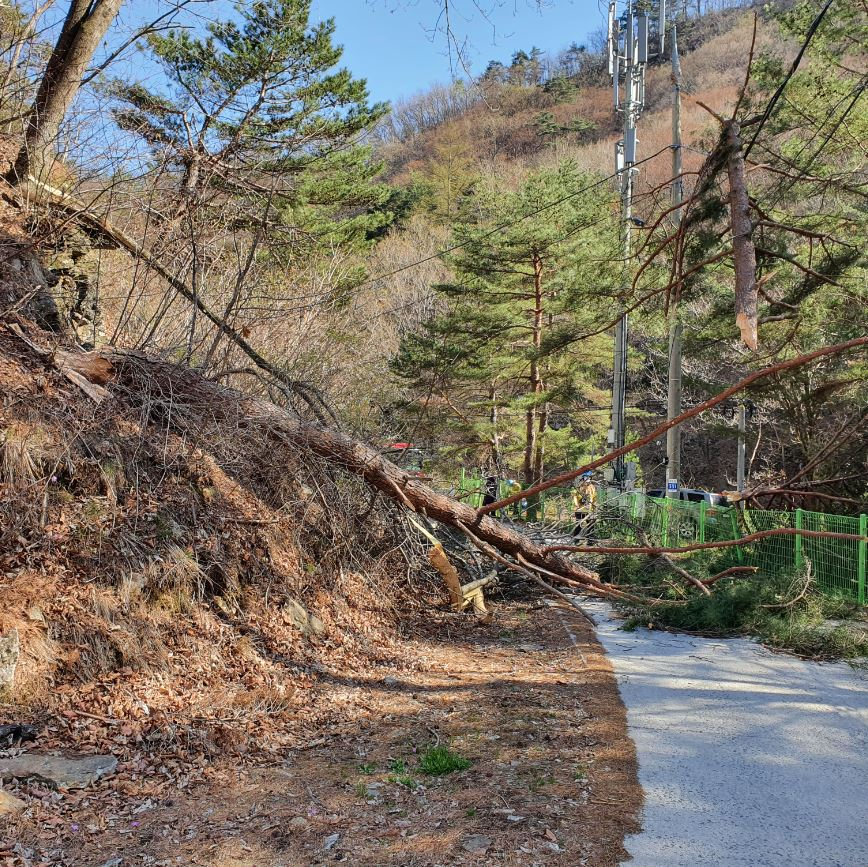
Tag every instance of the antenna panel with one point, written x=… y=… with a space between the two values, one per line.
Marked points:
x=642 y=38
x=630 y=142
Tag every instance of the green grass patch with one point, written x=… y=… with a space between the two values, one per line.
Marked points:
x=403 y=780
x=439 y=761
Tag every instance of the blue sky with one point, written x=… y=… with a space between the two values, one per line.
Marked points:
x=394 y=45
x=398 y=46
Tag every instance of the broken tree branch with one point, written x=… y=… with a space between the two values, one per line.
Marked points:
x=526 y=569
x=706 y=546
x=728 y=573
x=743 y=252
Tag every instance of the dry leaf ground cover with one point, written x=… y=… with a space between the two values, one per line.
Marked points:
x=529 y=702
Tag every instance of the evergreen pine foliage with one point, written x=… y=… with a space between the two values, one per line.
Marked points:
x=257 y=107
x=532 y=273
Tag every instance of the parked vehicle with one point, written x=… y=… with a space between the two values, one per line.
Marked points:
x=686 y=523
x=691 y=495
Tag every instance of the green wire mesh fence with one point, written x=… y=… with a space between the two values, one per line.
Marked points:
x=838 y=565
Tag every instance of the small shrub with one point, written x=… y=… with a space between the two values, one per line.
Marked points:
x=403 y=780
x=540 y=780
x=778 y=609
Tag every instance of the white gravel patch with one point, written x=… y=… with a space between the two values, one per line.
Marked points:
x=748 y=758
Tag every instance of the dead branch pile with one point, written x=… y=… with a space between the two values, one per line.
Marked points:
x=165 y=566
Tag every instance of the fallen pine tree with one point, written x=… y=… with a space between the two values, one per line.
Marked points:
x=181 y=398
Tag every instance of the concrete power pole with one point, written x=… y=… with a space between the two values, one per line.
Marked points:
x=673 y=408
x=628 y=55
x=742 y=447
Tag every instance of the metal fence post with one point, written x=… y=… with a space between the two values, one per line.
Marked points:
x=664 y=530
x=703 y=508
x=863 y=556
x=799 y=556
x=634 y=514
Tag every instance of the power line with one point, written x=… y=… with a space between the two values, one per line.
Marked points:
x=503 y=226
x=792 y=70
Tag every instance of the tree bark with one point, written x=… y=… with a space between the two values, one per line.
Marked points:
x=86 y=23
x=743 y=252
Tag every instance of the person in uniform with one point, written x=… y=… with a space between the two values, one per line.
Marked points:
x=584 y=508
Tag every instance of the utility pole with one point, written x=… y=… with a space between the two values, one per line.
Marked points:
x=628 y=55
x=673 y=403
x=742 y=447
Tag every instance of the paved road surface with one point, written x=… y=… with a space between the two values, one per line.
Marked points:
x=748 y=758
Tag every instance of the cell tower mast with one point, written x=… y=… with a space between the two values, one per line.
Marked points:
x=628 y=57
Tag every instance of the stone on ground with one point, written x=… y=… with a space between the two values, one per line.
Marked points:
x=62 y=772
x=477 y=843
x=9 y=804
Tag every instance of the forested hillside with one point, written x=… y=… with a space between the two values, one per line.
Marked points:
x=529 y=120
x=309 y=226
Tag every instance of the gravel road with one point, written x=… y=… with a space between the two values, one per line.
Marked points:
x=747 y=757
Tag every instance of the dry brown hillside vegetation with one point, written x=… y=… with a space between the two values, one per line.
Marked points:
x=497 y=124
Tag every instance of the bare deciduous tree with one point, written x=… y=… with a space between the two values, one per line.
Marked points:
x=85 y=25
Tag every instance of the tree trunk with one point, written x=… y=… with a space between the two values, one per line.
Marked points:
x=532 y=464
x=743 y=252
x=495 y=436
x=539 y=455
x=131 y=377
x=529 y=445
x=86 y=23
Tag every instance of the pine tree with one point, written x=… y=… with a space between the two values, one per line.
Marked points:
x=256 y=110
x=503 y=357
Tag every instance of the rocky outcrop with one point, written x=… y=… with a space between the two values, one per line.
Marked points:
x=62 y=295
x=10 y=650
